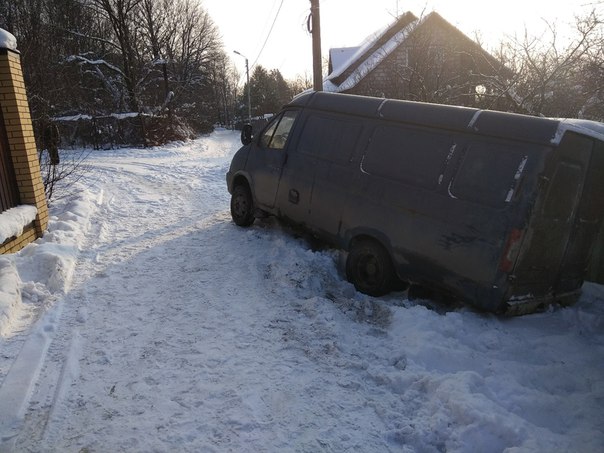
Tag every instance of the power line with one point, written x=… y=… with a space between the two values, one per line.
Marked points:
x=268 y=36
x=268 y=20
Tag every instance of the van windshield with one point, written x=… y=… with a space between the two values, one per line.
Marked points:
x=276 y=134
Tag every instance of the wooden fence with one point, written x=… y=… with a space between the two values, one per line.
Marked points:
x=9 y=195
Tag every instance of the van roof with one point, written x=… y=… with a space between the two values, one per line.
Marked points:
x=514 y=126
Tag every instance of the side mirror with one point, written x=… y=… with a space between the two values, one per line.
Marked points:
x=246 y=134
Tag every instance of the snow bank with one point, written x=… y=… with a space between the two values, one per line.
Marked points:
x=183 y=332
x=12 y=221
x=7 y=40
x=78 y=117
x=28 y=278
x=10 y=296
x=81 y=116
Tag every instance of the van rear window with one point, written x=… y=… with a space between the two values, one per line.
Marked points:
x=489 y=174
x=330 y=138
x=407 y=155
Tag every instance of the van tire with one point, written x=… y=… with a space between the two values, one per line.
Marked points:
x=242 y=206
x=370 y=268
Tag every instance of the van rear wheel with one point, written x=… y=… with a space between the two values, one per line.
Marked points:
x=242 y=206
x=370 y=268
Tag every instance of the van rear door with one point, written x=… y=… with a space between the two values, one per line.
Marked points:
x=554 y=255
x=588 y=218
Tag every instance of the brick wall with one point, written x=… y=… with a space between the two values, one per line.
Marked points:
x=435 y=63
x=16 y=244
x=23 y=151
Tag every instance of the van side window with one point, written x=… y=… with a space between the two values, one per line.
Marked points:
x=408 y=155
x=330 y=138
x=276 y=134
x=488 y=173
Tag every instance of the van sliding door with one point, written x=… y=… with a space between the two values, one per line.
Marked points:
x=317 y=179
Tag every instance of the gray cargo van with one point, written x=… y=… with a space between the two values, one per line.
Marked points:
x=497 y=209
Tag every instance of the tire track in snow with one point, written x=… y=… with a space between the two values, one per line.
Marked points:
x=165 y=318
x=37 y=368
x=119 y=217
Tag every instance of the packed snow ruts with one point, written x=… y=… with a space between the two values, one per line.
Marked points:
x=172 y=329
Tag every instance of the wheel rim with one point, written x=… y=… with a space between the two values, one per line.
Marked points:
x=241 y=206
x=369 y=270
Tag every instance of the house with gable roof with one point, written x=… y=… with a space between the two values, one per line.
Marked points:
x=421 y=59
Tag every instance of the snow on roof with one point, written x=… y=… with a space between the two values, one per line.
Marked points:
x=7 y=40
x=367 y=43
x=374 y=59
x=368 y=56
x=341 y=55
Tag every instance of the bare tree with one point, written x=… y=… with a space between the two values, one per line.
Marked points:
x=432 y=63
x=121 y=15
x=553 y=79
x=301 y=83
x=158 y=24
x=592 y=68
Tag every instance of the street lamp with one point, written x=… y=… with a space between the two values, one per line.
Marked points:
x=249 y=97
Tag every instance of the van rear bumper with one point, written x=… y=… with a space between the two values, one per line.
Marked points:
x=523 y=305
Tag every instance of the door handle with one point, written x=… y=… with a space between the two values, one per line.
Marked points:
x=294 y=196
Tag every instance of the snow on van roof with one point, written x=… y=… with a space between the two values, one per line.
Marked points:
x=584 y=127
x=489 y=122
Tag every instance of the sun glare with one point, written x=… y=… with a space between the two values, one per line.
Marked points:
x=273 y=32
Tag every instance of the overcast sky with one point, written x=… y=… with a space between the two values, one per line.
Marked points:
x=245 y=24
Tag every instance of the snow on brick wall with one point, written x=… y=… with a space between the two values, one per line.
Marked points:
x=7 y=40
x=14 y=220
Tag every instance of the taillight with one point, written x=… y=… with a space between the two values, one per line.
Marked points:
x=512 y=247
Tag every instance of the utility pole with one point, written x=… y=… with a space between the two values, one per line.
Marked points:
x=317 y=69
x=249 y=96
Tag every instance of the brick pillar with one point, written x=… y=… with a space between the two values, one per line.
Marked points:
x=20 y=134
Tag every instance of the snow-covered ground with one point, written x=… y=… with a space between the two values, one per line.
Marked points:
x=146 y=321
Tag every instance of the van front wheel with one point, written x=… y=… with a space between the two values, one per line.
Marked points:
x=370 y=268
x=242 y=206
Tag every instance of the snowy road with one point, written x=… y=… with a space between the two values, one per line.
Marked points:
x=179 y=331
